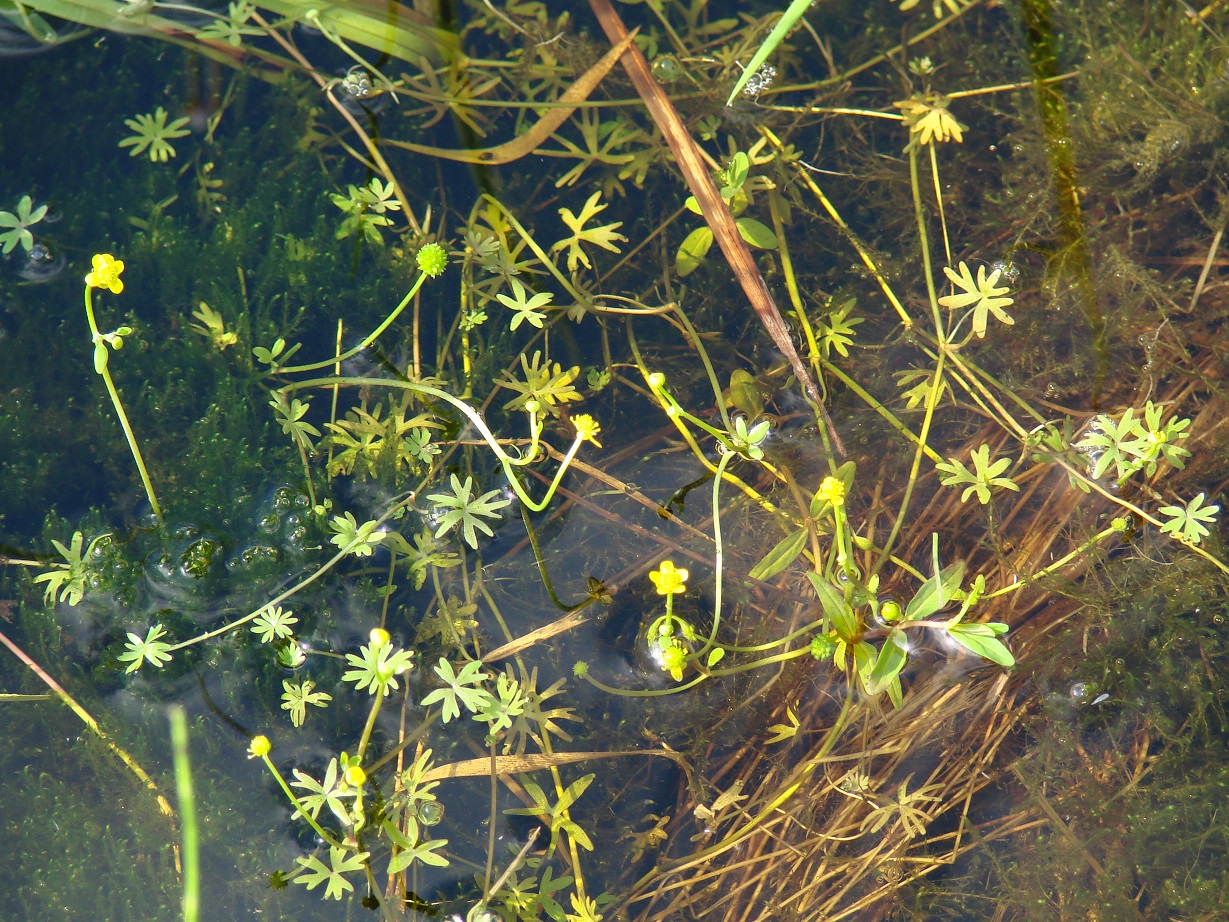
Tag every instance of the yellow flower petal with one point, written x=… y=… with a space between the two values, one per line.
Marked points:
x=106 y=273
x=587 y=428
x=832 y=491
x=669 y=579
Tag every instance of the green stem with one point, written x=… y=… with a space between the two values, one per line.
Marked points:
x=713 y=381
x=1057 y=565
x=936 y=385
x=541 y=562
x=645 y=693
x=299 y=808
x=101 y=357
x=367 y=340
x=718 y=560
x=371 y=722
x=508 y=463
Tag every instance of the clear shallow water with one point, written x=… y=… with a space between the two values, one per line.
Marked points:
x=1130 y=777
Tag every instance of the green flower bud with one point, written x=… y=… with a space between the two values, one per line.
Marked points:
x=432 y=260
x=823 y=645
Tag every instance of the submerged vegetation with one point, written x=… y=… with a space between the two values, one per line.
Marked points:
x=532 y=539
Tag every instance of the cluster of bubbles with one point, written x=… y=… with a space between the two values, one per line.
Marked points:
x=761 y=81
x=358 y=92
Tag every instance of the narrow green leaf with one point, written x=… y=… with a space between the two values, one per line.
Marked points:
x=935 y=593
x=892 y=658
x=736 y=173
x=787 y=21
x=982 y=639
x=781 y=556
x=894 y=693
x=840 y=615
x=864 y=655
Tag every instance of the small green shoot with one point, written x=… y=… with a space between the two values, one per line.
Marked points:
x=296 y=696
x=378 y=665
x=412 y=851
x=464 y=687
x=556 y=816
x=466 y=510
x=782 y=732
x=366 y=208
x=19 y=223
x=151 y=649
x=353 y=538
x=838 y=333
x=67 y=581
x=212 y=326
x=603 y=236
x=525 y=309
x=290 y=415
x=154 y=134
x=233 y=26
x=984 y=295
x=1188 y=523
x=986 y=477
x=274 y=623
x=316 y=872
x=547 y=383
x=331 y=792
x=736 y=190
x=1130 y=444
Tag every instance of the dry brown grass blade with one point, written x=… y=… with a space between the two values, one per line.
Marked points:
x=88 y=719
x=546 y=632
x=713 y=207
x=507 y=765
x=536 y=136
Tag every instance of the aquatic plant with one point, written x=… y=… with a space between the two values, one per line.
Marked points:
x=19 y=224
x=154 y=134
x=834 y=586
x=106 y=274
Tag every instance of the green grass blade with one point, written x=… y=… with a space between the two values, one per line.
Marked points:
x=787 y=21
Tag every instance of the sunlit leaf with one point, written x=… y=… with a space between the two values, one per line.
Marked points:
x=781 y=556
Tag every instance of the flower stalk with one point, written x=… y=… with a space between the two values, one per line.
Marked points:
x=106 y=274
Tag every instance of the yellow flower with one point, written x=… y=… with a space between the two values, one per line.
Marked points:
x=587 y=428
x=832 y=491
x=260 y=745
x=657 y=379
x=379 y=637
x=355 y=776
x=669 y=579
x=106 y=273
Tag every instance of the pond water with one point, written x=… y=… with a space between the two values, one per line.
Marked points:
x=427 y=454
